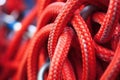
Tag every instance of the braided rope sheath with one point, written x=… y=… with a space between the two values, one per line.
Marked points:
x=51 y=11
x=60 y=22
x=39 y=39
x=113 y=68
x=67 y=71
x=87 y=48
x=104 y=53
x=107 y=26
x=60 y=54
x=76 y=39
x=41 y=6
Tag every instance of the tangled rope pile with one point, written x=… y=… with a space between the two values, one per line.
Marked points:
x=74 y=40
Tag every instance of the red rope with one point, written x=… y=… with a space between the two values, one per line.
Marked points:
x=81 y=43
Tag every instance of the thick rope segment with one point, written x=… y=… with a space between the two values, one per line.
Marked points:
x=67 y=71
x=87 y=48
x=22 y=69
x=60 y=55
x=60 y=22
x=98 y=17
x=50 y=12
x=104 y=53
x=113 y=68
x=22 y=62
x=108 y=24
x=33 y=52
x=115 y=37
x=41 y=6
